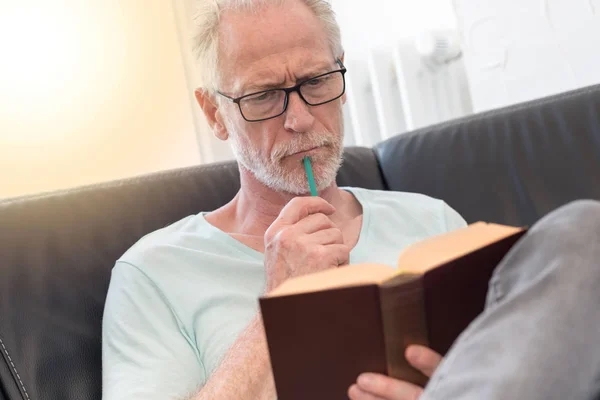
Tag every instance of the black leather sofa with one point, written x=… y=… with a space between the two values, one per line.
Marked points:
x=56 y=250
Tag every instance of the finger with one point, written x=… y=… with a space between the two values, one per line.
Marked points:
x=314 y=223
x=355 y=393
x=301 y=207
x=388 y=388
x=338 y=254
x=327 y=236
x=423 y=358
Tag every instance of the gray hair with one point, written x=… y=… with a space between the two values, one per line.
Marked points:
x=206 y=28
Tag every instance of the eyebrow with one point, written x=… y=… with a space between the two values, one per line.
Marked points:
x=268 y=83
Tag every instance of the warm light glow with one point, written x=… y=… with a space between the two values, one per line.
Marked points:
x=90 y=91
x=39 y=51
x=52 y=59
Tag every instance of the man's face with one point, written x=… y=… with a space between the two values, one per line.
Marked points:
x=274 y=48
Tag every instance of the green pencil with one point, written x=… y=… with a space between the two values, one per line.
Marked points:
x=309 y=175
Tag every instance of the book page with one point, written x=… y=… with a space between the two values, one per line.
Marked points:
x=429 y=253
x=352 y=275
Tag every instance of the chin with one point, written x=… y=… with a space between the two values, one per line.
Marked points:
x=289 y=175
x=324 y=170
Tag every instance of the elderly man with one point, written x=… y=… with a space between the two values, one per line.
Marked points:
x=182 y=318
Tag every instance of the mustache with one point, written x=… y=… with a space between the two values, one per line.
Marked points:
x=303 y=142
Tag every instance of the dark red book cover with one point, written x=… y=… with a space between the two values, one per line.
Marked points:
x=320 y=342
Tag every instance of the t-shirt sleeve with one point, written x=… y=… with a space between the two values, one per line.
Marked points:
x=145 y=353
x=453 y=219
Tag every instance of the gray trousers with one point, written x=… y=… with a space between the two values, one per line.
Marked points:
x=539 y=337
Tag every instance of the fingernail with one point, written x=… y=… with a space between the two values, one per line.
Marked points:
x=365 y=380
x=353 y=391
x=413 y=354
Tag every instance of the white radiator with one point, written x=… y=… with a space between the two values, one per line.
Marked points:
x=404 y=87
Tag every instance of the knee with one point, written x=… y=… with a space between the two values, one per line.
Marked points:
x=581 y=209
x=581 y=217
x=571 y=232
x=562 y=248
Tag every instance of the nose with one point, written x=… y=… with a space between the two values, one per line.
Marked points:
x=297 y=116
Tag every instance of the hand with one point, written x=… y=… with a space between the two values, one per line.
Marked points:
x=381 y=387
x=303 y=239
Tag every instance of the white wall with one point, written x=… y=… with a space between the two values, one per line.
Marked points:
x=391 y=87
x=89 y=92
x=375 y=23
x=518 y=50
x=211 y=148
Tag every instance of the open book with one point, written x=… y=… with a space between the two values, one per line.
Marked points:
x=326 y=328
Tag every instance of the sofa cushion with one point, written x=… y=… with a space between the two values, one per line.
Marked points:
x=509 y=166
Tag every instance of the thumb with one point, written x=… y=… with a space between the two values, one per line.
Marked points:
x=423 y=358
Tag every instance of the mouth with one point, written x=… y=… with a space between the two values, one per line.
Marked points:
x=305 y=153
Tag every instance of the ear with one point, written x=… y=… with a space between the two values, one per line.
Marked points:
x=210 y=107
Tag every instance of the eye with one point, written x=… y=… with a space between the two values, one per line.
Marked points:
x=317 y=81
x=265 y=96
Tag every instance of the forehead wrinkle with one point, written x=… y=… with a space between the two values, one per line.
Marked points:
x=265 y=78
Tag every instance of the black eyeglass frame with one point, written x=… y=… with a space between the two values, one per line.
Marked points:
x=290 y=90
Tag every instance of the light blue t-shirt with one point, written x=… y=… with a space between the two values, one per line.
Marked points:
x=180 y=297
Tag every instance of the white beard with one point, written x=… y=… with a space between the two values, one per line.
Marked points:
x=270 y=171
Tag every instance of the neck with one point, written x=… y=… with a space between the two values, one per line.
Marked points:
x=256 y=206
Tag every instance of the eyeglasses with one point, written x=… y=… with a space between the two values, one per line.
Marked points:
x=272 y=103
